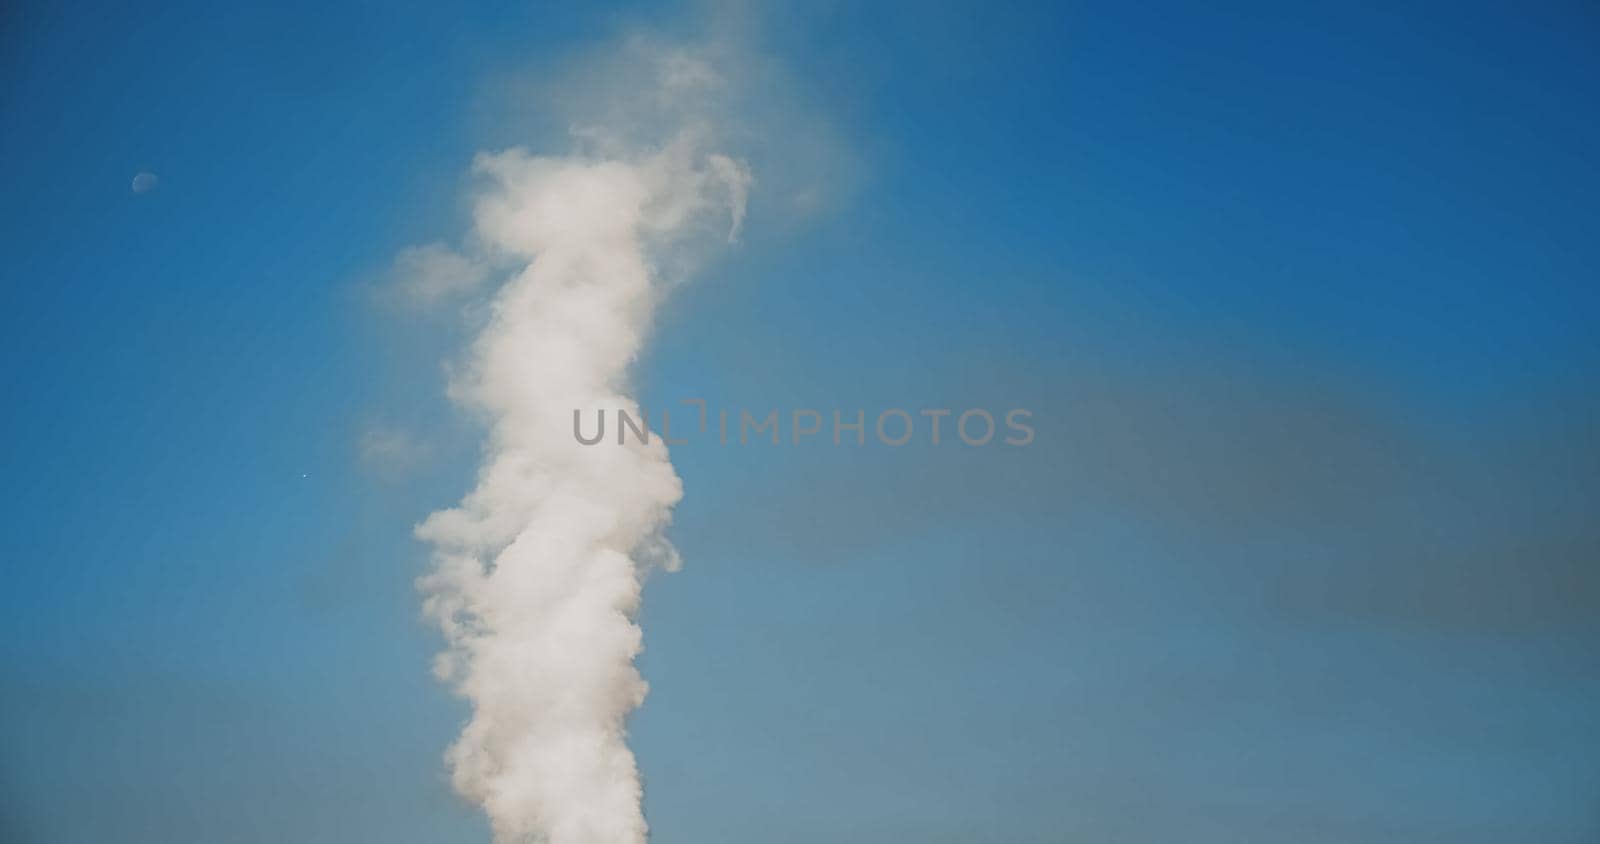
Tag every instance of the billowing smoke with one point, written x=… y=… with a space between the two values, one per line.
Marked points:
x=536 y=574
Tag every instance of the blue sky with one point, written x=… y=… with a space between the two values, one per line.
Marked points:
x=1302 y=299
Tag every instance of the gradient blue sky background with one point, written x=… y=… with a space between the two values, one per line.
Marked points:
x=1303 y=298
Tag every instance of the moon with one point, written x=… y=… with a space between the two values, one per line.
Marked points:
x=144 y=182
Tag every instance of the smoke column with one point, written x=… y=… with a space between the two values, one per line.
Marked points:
x=536 y=573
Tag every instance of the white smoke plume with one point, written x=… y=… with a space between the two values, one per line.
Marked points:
x=536 y=573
